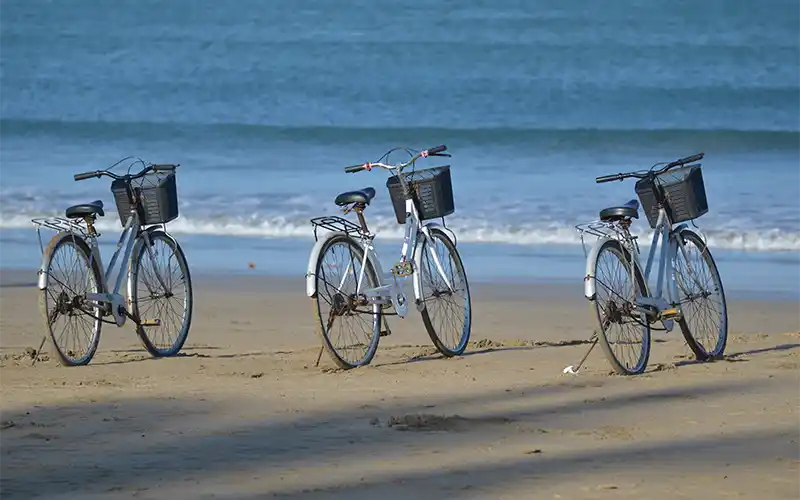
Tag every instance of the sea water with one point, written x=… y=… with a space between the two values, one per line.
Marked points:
x=264 y=103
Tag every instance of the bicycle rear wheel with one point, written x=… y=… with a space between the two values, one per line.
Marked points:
x=73 y=323
x=624 y=331
x=348 y=325
x=702 y=299
x=447 y=314
x=160 y=289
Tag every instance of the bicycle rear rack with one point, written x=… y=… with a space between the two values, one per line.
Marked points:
x=601 y=229
x=340 y=224
x=58 y=224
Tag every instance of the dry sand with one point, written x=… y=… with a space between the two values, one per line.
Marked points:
x=244 y=413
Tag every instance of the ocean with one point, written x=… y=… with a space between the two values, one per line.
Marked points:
x=263 y=104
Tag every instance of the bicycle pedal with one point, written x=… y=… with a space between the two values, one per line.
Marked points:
x=671 y=313
x=385 y=333
x=403 y=269
x=150 y=322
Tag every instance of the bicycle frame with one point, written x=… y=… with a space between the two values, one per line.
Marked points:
x=131 y=234
x=665 y=237
x=388 y=283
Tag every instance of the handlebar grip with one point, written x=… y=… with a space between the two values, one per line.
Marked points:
x=691 y=159
x=437 y=149
x=688 y=159
x=354 y=168
x=87 y=175
x=608 y=178
x=164 y=167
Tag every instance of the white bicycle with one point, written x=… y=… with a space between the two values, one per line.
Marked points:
x=75 y=289
x=343 y=274
x=618 y=289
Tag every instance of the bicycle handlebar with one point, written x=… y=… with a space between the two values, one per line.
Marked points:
x=88 y=175
x=609 y=178
x=435 y=151
x=684 y=161
x=99 y=173
x=642 y=175
x=354 y=168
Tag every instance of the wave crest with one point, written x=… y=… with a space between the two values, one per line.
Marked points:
x=483 y=232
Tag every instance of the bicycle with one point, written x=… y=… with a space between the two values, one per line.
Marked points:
x=146 y=201
x=427 y=252
x=668 y=197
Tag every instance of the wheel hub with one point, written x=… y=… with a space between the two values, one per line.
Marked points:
x=338 y=304
x=614 y=314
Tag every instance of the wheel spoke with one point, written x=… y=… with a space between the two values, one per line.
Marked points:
x=624 y=328
x=701 y=298
x=74 y=328
x=162 y=292
x=447 y=313
x=349 y=332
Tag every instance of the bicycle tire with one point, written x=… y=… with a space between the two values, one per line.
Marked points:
x=323 y=285
x=623 y=255
x=147 y=333
x=459 y=347
x=59 y=241
x=689 y=332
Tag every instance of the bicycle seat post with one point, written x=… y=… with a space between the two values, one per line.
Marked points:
x=89 y=219
x=358 y=208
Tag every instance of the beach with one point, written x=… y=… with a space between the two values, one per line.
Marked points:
x=243 y=412
x=262 y=106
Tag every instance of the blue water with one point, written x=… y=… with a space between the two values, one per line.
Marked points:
x=263 y=103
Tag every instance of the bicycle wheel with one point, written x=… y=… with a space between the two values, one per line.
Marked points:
x=624 y=330
x=70 y=278
x=447 y=314
x=160 y=289
x=353 y=339
x=705 y=314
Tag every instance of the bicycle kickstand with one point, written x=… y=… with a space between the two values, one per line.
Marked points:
x=39 y=350
x=319 y=356
x=571 y=369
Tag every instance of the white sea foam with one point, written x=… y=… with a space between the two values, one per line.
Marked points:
x=471 y=231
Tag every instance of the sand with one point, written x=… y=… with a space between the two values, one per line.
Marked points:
x=245 y=414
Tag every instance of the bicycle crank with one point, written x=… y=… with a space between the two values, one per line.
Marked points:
x=400 y=302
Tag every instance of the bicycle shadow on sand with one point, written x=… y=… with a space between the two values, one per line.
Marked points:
x=741 y=356
x=175 y=443
x=486 y=346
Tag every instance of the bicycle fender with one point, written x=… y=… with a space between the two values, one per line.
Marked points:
x=589 y=283
x=677 y=229
x=311 y=270
x=589 y=280
x=42 y=280
x=431 y=224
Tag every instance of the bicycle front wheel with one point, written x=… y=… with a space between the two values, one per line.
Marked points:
x=348 y=324
x=160 y=290
x=72 y=321
x=702 y=298
x=447 y=312
x=624 y=331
